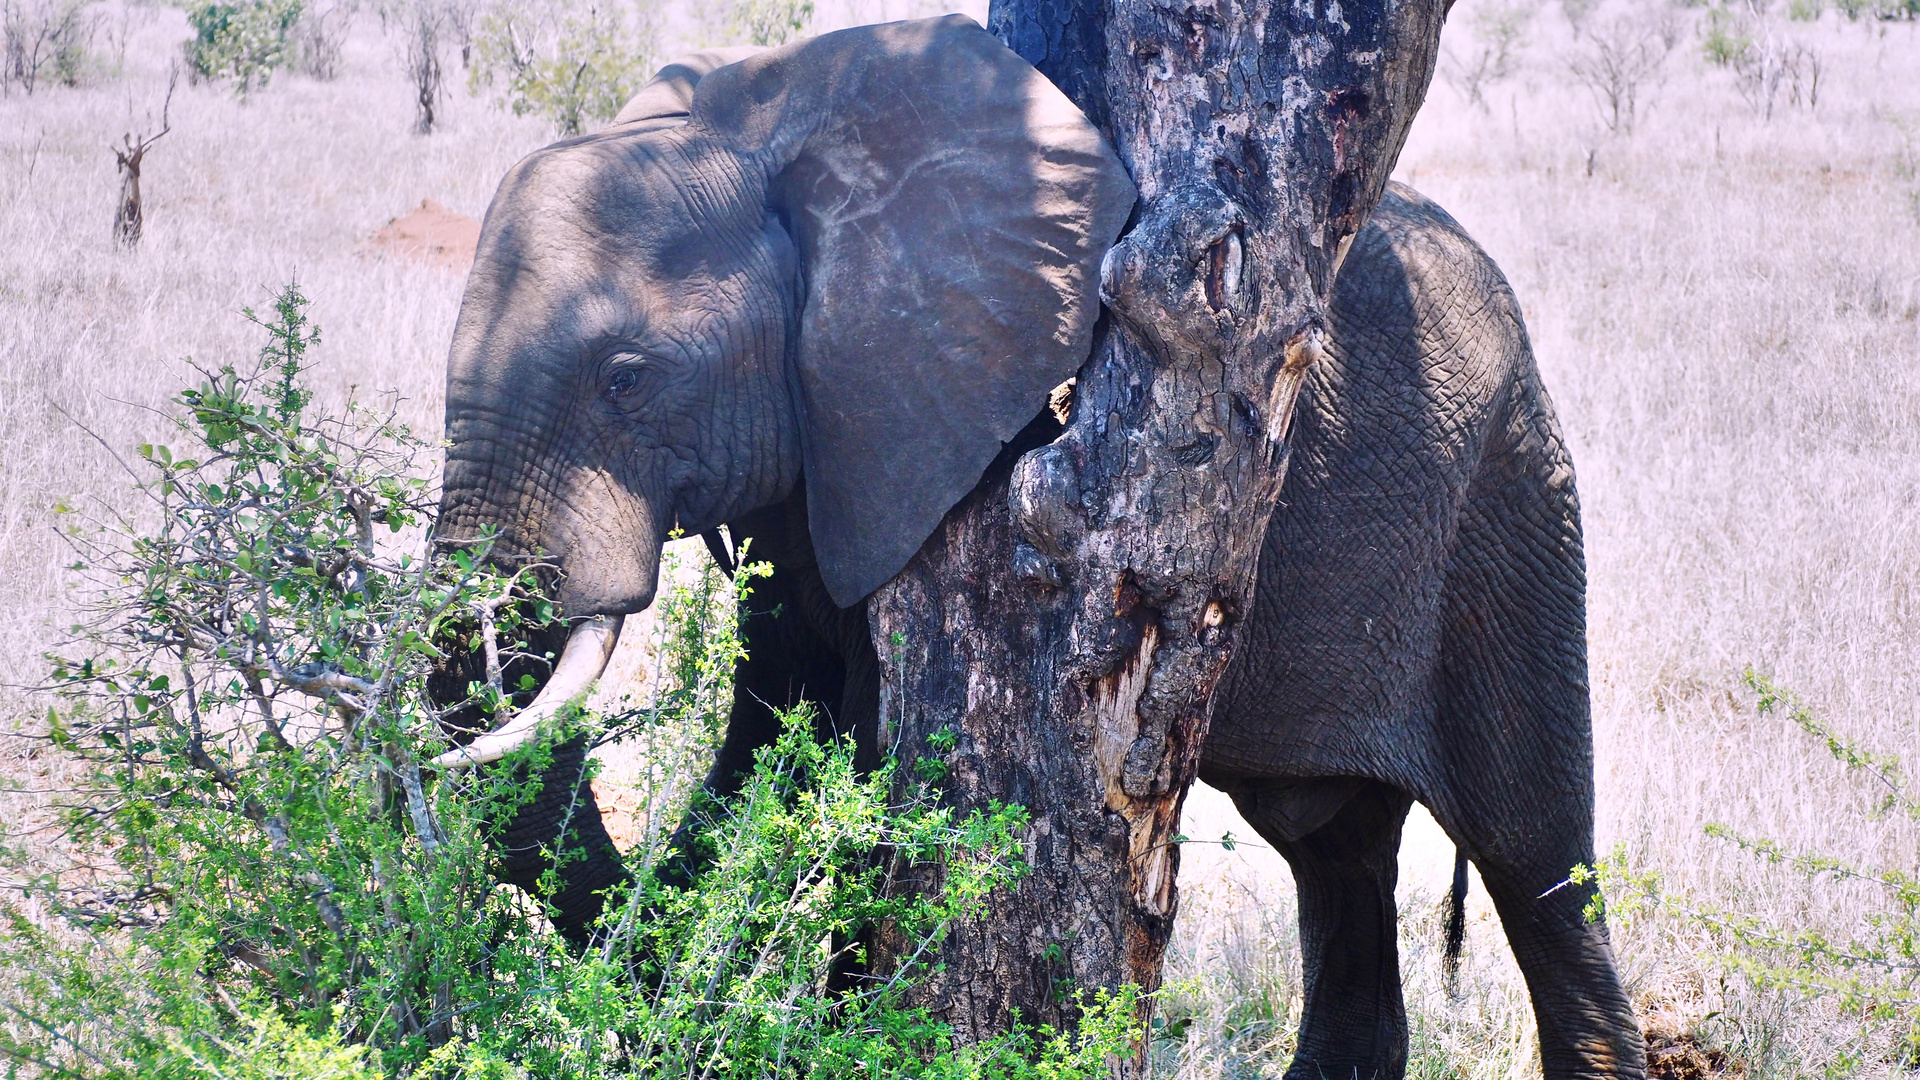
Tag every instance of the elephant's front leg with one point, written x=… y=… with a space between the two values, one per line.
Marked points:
x=1353 y=1021
x=791 y=659
x=789 y=662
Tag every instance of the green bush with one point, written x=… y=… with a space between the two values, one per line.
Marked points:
x=243 y=41
x=574 y=63
x=1724 y=37
x=769 y=22
x=1874 y=975
x=271 y=883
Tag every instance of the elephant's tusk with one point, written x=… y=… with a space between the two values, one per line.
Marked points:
x=585 y=656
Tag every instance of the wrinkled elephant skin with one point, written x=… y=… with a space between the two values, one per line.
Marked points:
x=820 y=293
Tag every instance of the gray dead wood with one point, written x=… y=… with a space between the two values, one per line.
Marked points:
x=1070 y=622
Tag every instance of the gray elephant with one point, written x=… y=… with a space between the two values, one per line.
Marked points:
x=817 y=294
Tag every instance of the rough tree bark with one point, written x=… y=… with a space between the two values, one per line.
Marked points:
x=129 y=219
x=423 y=62
x=1070 y=620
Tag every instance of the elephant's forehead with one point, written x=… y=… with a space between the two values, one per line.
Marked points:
x=639 y=236
x=640 y=199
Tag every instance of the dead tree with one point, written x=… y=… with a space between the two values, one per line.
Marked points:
x=423 y=22
x=1069 y=622
x=127 y=219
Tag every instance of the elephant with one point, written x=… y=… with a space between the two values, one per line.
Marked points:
x=817 y=294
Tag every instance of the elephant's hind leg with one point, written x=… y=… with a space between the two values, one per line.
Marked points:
x=1515 y=735
x=1586 y=1023
x=1353 y=1021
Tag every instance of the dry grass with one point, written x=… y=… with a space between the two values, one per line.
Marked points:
x=1727 y=309
x=1728 y=312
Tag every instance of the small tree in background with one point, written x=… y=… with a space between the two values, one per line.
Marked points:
x=461 y=16
x=571 y=62
x=769 y=22
x=1576 y=12
x=424 y=25
x=754 y=22
x=317 y=38
x=1726 y=34
x=1765 y=63
x=1494 y=32
x=243 y=42
x=44 y=37
x=1771 y=66
x=1616 y=63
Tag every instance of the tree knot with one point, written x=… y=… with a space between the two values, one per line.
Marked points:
x=1306 y=348
x=1179 y=278
x=1043 y=497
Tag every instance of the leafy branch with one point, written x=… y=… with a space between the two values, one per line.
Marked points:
x=278 y=886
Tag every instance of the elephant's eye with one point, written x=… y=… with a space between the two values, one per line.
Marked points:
x=622 y=382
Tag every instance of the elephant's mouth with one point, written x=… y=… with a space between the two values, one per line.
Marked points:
x=589 y=647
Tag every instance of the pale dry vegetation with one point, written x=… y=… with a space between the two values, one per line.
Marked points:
x=1722 y=281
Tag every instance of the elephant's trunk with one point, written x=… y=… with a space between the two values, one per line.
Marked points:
x=582 y=510
x=500 y=481
x=589 y=647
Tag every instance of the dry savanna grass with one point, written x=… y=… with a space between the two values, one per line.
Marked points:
x=1723 y=285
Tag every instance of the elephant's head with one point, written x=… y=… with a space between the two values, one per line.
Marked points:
x=861 y=260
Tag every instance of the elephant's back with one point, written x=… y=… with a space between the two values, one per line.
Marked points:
x=1428 y=356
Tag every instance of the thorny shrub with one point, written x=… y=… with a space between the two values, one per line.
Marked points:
x=271 y=883
x=1873 y=975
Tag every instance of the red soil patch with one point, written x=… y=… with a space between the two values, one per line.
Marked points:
x=432 y=234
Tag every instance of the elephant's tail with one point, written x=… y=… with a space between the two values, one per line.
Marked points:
x=1456 y=939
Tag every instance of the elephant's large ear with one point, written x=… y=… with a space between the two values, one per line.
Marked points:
x=951 y=208
x=669 y=94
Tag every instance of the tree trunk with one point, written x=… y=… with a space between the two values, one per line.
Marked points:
x=1071 y=619
x=423 y=66
x=127 y=220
